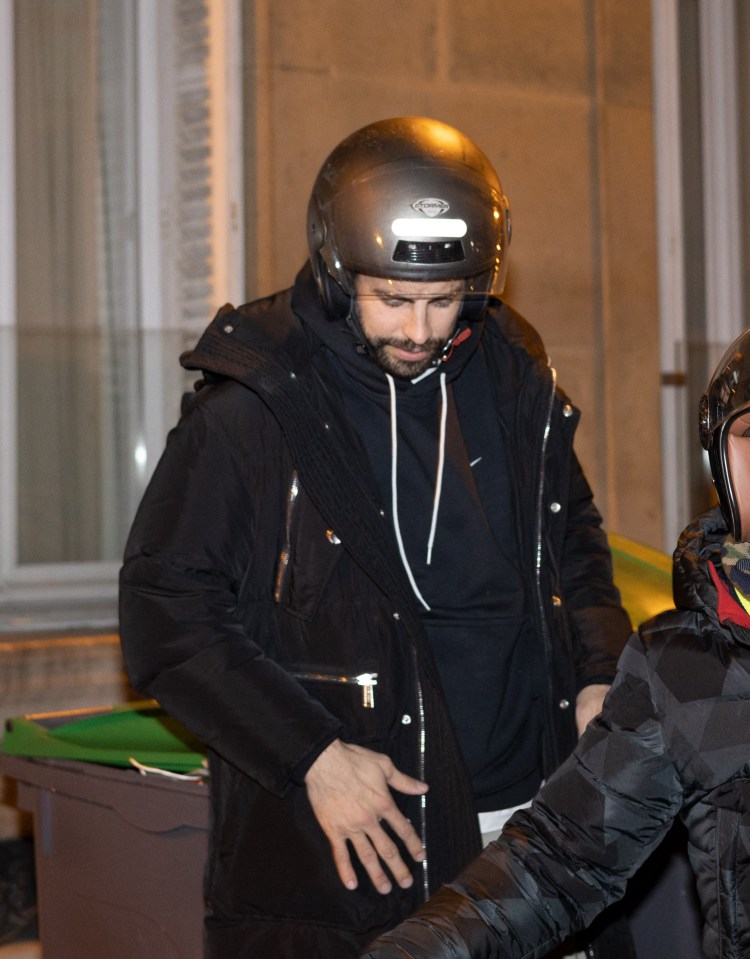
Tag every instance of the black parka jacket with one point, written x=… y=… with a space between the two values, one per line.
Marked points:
x=263 y=603
x=673 y=739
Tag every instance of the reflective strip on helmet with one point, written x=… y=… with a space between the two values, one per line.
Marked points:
x=415 y=228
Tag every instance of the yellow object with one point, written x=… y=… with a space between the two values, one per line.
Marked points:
x=644 y=577
x=745 y=603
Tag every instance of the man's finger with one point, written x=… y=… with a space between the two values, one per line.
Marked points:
x=390 y=856
x=405 y=784
x=407 y=834
x=343 y=863
x=369 y=858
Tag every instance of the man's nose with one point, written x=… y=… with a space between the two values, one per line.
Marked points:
x=417 y=327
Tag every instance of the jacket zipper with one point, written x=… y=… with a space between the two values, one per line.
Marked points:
x=539 y=528
x=367 y=682
x=422 y=771
x=283 y=565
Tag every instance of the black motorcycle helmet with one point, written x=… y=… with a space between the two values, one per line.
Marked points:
x=725 y=434
x=408 y=199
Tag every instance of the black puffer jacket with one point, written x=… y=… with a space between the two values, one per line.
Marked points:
x=673 y=738
x=264 y=604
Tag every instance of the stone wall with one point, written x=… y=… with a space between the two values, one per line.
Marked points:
x=558 y=94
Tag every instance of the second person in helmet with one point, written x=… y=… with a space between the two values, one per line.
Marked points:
x=368 y=571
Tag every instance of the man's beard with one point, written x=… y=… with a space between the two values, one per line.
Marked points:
x=405 y=369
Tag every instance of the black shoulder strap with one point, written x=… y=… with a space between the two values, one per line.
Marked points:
x=318 y=450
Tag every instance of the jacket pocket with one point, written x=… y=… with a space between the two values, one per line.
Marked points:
x=365 y=681
x=349 y=696
x=309 y=553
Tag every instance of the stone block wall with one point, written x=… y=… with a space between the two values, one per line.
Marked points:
x=558 y=94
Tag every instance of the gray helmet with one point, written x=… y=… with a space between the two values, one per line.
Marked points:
x=410 y=199
x=725 y=433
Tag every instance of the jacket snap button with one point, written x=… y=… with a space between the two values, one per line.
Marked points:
x=397 y=616
x=567 y=410
x=406 y=719
x=229 y=328
x=555 y=507
x=332 y=537
x=556 y=601
x=564 y=703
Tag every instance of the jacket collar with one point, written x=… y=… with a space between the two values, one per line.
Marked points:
x=698 y=581
x=728 y=608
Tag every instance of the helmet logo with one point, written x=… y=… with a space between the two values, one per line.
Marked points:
x=431 y=206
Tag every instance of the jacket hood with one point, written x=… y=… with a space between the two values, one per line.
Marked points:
x=699 y=544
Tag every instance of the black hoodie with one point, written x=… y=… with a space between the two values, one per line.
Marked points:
x=471 y=590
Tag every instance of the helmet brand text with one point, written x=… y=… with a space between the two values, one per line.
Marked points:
x=431 y=206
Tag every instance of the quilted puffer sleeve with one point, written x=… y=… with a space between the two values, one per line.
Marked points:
x=560 y=863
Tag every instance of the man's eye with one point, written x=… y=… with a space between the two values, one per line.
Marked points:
x=394 y=301
x=444 y=302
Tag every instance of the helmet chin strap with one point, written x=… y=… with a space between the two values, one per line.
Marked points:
x=353 y=322
x=459 y=335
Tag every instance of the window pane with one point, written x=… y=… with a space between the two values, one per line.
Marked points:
x=78 y=349
x=115 y=237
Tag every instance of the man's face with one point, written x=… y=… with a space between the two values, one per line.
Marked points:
x=407 y=323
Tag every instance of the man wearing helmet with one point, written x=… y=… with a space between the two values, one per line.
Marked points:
x=368 y=564
x=673 y=739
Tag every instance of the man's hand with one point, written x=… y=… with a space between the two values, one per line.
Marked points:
x=349 y=789
x=589 y=704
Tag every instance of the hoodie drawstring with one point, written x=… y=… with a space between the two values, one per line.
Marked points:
x=440 y=467
x=438 y=481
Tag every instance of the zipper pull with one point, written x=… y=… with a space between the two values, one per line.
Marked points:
x=367 y=681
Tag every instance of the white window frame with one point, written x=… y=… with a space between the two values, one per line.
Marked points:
x=76 y=595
